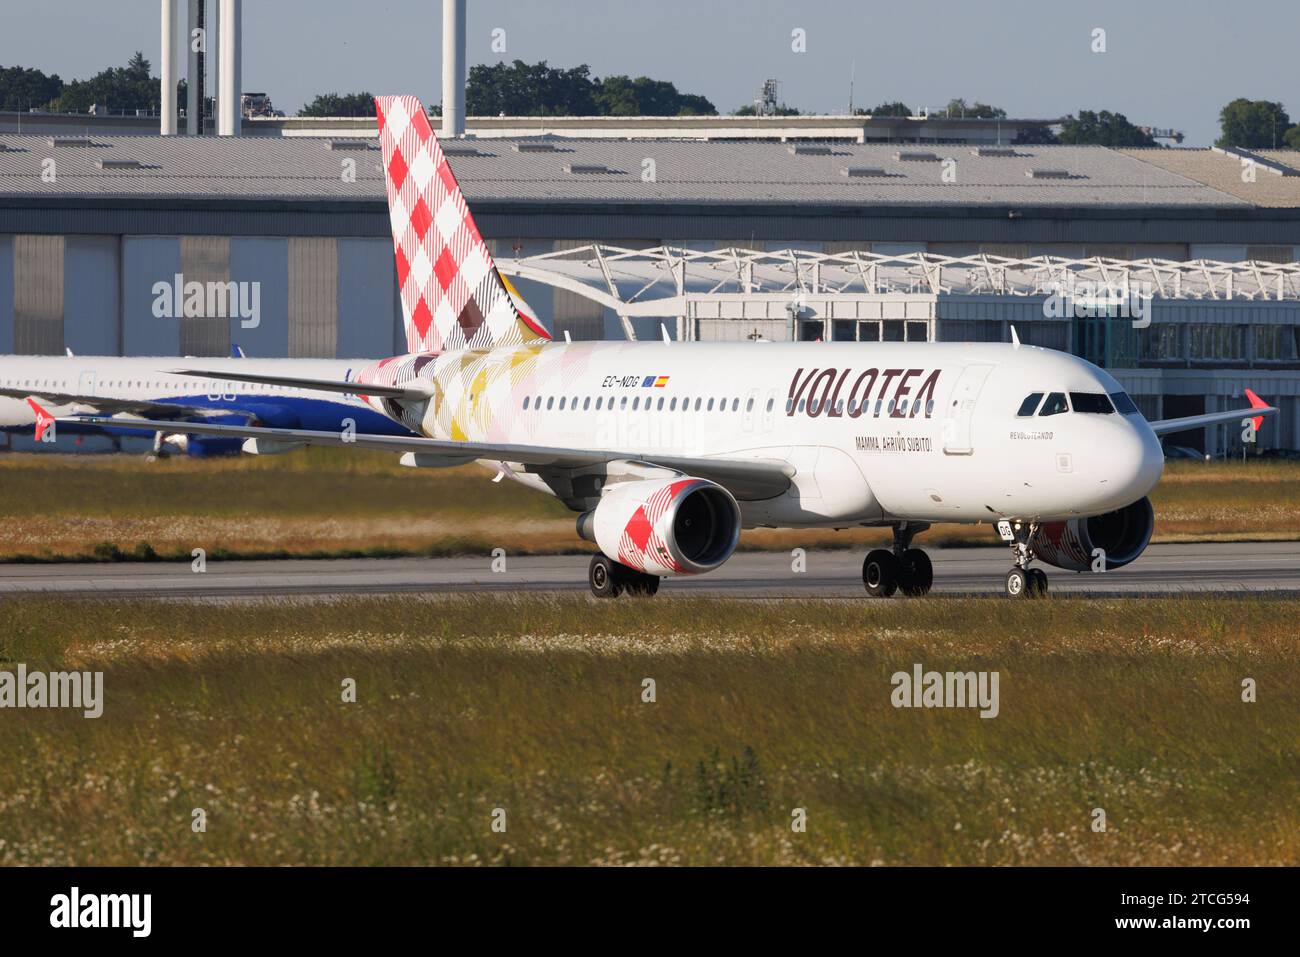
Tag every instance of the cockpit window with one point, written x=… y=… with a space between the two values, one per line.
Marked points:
x=1098 y=403
x=1030 y=404
x=1123 y=404
x=1054 y=405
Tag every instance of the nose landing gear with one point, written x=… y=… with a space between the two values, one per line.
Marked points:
x=902 y=568
x=1022 y=581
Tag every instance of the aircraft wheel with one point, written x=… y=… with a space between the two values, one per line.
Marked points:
x=916 y=573
x=1037 y=583
x=1017 y=583
x=880 y=573
x=639 y=583
x=603 y=577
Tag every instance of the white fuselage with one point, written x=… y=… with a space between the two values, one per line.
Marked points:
x=877 y=432
x=153 y=380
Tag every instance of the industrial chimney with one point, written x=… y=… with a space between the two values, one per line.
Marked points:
x=453 y=68
x=167 y=66
x=230 y=37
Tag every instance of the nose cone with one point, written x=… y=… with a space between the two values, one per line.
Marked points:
x=1148 y=460
x=1124 y=461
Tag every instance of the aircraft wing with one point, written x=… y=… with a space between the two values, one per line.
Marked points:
x=747 y=479
x=1258 y=409
x=413 y=392
x=99 y=403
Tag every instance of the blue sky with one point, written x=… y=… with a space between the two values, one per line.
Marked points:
x=1167 y=63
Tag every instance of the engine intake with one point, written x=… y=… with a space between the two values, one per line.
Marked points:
x=1122 y=535
x=682 y=526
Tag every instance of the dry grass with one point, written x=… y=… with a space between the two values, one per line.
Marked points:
x=333 y=502
x=534 y=705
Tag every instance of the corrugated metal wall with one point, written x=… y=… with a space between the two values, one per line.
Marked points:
x=6 y=294
x=205 y=259
x=92 y=280
x=150 y=265
x=38 y=295
x=264 y=262
x=313 y=298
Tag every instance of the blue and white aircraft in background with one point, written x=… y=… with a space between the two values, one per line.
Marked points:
x=35 y=390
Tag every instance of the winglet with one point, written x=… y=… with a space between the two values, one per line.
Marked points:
x=43 y=419
x=1256 y=403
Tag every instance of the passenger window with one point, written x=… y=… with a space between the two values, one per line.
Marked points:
x=672 y=406
x=586 y=403
x=1096 y=403
x=659 y=406
x=525 y=402
x=1030 y=405
x=1055 y=404
x=769 y=404
x=1123 y=404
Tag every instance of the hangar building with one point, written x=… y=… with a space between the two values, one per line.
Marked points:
x=828 y=238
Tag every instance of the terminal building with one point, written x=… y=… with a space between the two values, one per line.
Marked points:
x=813 y=232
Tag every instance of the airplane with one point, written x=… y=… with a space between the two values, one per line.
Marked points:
x=665 y=451
x=76 y=386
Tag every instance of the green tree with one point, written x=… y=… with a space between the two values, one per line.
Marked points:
x=1292 y=137
x=1253 y=124
x=22 y=89
x=978 y=111
x=891 y=109
x=340 y=104
x=623 y=96
x=1103 y=129
x=115 y=90
x=1034 y=136
x=749 y=109
x=529 y=89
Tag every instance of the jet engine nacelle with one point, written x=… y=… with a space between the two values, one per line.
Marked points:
x=1122 y=535
x=681 y=526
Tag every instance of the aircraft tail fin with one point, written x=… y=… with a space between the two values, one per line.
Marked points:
x=452 y=295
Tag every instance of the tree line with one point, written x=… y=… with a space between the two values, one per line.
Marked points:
x=538 y=89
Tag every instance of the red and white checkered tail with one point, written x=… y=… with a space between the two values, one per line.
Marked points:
x=452 y=295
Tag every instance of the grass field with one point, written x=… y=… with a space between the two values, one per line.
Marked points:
x=534 y=706
x=338 y=502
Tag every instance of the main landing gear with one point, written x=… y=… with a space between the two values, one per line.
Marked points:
x=609 y=579
x=901 y=568
x=1023 y=581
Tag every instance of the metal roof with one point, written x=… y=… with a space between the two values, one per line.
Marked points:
x=1223 y=171
x=643 y=172
x=653 y=281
